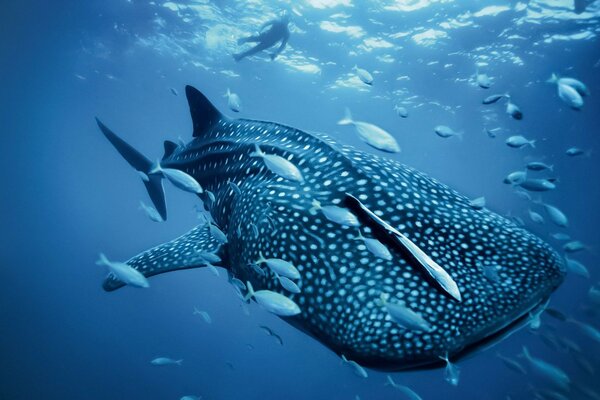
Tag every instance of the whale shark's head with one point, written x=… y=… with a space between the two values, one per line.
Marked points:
x=456 y=276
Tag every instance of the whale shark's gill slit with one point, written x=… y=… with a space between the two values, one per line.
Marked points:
x=195 y=249
x=434 y=271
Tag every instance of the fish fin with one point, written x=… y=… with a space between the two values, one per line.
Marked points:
x=553 y=78
x=347 y=119
x=185 y=252
x=179 y=362
x=170 y=148
x=257 y=151
x=435 y=272
x=204 y=113
x=532 y=144
x=142 y=164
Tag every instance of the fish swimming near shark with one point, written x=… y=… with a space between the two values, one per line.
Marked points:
x=436 y=240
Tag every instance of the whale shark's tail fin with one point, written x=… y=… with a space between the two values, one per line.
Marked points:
x=197 y=248
x=204 y=114
x=143 y=165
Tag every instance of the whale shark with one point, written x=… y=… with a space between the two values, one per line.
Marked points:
x=437 y=250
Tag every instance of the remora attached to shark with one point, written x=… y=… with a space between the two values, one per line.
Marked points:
x=438 y=242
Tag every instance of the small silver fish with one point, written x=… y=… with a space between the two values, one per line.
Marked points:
x=273 y=302
x=535 y=217
x=446 y=132
x=217 y=233
x=358 y=370
x=371 y=134
x=339 y=215
x=452 y=372
x=151 y=212
x=539 y=166
x=160 y=361
x=577 y=268
x=574 y=246
x=364 y=75
x=233 y=101
x=551 y=373
x=203 y=314
x=279 y=266
x=178 y=178
x=537 y=185
x=518 y=141
x=477 y=203
x=288 y=285
x=377 y=248
x=401 y=111
x=516 y=178
x=124 y=272
x=404 y=316
x=513 y=110
x=493 y=98
x=278 y=165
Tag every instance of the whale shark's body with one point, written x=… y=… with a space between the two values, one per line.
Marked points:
x=341 y=281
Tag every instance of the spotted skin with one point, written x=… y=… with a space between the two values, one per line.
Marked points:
x=341 y=280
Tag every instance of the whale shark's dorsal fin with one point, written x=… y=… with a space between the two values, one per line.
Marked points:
x=204 y=114
x=195 y=249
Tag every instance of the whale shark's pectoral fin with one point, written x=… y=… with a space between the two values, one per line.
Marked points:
x=195 y=249
x=436 y=272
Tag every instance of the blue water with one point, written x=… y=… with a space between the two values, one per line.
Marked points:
x=68 y=195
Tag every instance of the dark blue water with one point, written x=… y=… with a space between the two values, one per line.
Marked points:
x=67 y=195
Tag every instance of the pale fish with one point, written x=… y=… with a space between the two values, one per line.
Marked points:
x=357 y=368
x=518 y=141
x=404 y=316
x=371 y=134
x=273 y=302
x=577 y=268
x=452 y=372
x=279 y=266
x=160 y=361
x=550 y=373
x=364 y=75
x=478 y=203
x=151 y=212
x=233 y=101
x=377 y=248
x=446 y=132
x=339 y=215
x=178 y=178
x=124 y=272
x=278 y=165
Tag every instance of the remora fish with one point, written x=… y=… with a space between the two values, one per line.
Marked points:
x=436 y=239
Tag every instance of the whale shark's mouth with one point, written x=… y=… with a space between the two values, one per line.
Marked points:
x=498 y=333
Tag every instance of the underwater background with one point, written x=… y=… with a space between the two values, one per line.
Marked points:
x=67 y=195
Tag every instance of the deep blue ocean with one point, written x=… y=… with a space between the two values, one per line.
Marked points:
x=68 y=195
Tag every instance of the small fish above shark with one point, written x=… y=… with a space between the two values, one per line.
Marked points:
x=436 y=241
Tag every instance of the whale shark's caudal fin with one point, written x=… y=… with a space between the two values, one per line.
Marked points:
x=195 y=249
x=143 y=165
x=204 y=114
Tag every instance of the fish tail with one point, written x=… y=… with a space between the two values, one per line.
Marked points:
x=460 y=135
x=102 y=260
x=178 y=362
x=250 y=291
x=257 y=151
x=532 y=143
x=142 y=164
x=526 y=353
x=347 y=119
x=553 y=78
